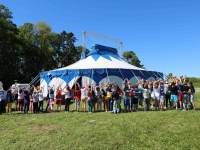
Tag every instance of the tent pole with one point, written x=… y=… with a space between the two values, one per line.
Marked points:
x=107 y=75
x=135 y=75
x=143 y=74
x=121 y=74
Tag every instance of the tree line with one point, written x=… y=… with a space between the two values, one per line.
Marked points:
x=31 y=48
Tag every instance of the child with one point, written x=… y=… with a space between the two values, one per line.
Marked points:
x=31 y=104
x=77 y=94
x=146 y=97
x=41 y=100
x=162 y=94
x=59 y=98
x=35 y=102
x=51 y=97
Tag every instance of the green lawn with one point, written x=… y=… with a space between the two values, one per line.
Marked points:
x=171 y=129
x=197 y=85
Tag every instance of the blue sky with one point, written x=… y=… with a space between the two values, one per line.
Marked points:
x=165 y=35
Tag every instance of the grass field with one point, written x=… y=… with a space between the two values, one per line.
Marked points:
x=197 y=85
x=170 y=129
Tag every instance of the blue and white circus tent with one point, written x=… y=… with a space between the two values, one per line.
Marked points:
x=102 y=64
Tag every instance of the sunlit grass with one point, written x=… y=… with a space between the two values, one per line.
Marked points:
x=170 y=129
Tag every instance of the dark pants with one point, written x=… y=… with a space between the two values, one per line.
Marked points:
x=40 y=105
x=110 y=104
x=48 y=103
x=167 y=99
x=0 y=107
x=16 y=104
x=35 y=107
x=131 y=103
x=141 y=99
x=89 y=105
x=146 y=104
x=67 y=103
x=26 y=107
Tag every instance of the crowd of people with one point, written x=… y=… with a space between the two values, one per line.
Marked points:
x=175 y=93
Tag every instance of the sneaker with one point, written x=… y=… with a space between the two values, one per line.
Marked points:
x=184 y=109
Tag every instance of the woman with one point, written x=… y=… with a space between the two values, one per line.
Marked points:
x=35 y=101
x=20 y=99
x=89 y=99
x=99 y=95
x=126 y=98
x=174 y=95
x=26 y=101
x=68 y=98
x=191 y=92
x=77 y=94
x=156 y=91
x=41 y=100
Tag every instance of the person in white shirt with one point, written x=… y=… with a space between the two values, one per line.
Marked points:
x=156 y=91
x=68 y=98
x=41 y=99
x=83 y=98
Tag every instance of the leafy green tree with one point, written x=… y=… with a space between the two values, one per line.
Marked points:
x=9 y=45
x=132 y=58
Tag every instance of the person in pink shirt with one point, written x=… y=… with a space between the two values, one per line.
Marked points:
x=77 y=94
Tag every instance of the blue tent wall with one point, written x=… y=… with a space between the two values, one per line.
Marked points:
x=98 y=74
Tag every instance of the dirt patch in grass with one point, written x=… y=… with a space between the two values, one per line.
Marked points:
x=41 y=128
x=91 y=121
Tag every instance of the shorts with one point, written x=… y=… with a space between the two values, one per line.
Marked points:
x=192 y=97
x=174 y=98
x=51 y=101
x=180 y=94
x=77 y=103
x=58 y=102
x=126 y=102
x=161 y=98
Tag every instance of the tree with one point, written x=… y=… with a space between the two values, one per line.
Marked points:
x=132 y=58
x=9 y=45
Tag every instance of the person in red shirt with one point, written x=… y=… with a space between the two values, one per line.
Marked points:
x=59 y=98
x=77 y=94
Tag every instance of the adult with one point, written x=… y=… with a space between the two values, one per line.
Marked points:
x=116 y=101
x=35 y=101
x=26 y=101
x=191 y=92
x=185 y=96
x=109 y=97
x=89 y=99
x=174 y=94
x=41 y=99
x=99 y=96
x=156 y=91
x=68 y=97
x=167 y=91
x=20 y=99
x=9 y=101
x=83 y=97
